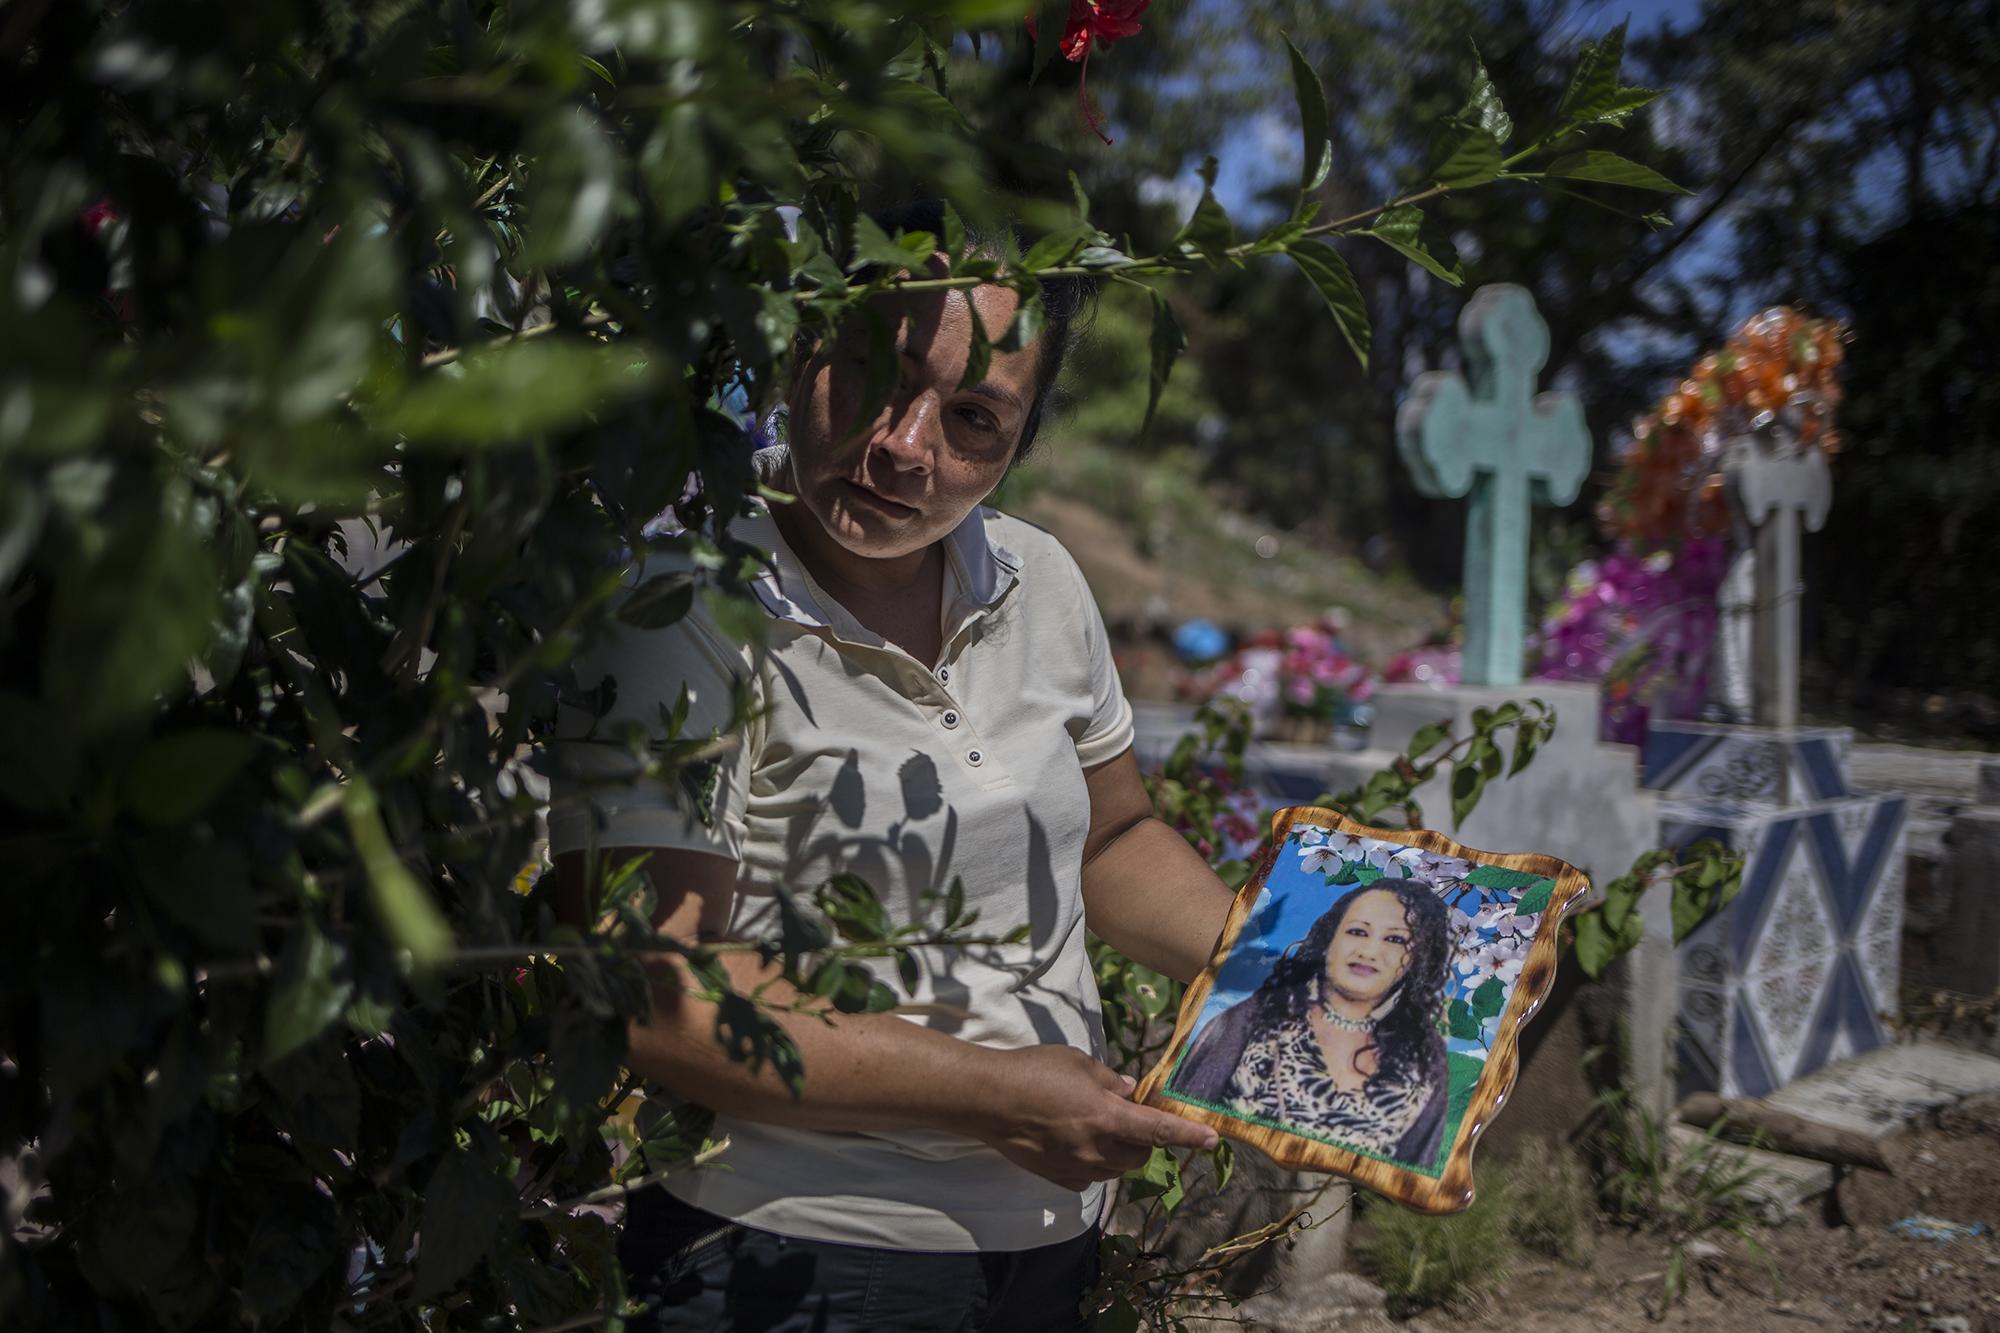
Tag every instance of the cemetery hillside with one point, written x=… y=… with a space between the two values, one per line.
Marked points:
x=999 y=664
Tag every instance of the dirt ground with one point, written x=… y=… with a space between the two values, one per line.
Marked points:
x=1850 y=1272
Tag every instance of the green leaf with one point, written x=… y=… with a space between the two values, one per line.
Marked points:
x=1594 y=95
x=1535 y=898
x=123 y=625
x=1690 y=908
x=1122 y=1317
x=954 y=233
x=677 y=166
x=1166 y=344
x=1465 y=1024
x=1159 y=1178
x=850 y=903
x=312 y=988
x=571 y=191
x=1317 y=158
x=1208 y=232
x=1466 y=156
x=1489 y=998
x=404 y=905
x=1026 y=326
x=1594 y=948
x=873 y=246
x=1468 y=782
x=1428 y=737
x=1329 y=274
x=659 y=601
x=1400 y=229
x=1500 y=877
x=1102 y=257
x=464 y=1205
x=1595 y=79
x=176 y=776
x=1222 y=1157
x=1526 y=741
x=1482 y=106
x=519 y=389
x=921 y=102
x=1051 y=250
x=1610 y=169
x=294 y=1238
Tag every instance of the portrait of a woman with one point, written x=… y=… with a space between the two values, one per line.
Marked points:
x=1342 y=1039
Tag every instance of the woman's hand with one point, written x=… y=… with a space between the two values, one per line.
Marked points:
x=1068 y=1118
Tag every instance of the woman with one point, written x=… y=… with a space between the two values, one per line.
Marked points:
x=934 y=700
x=1342 y=1037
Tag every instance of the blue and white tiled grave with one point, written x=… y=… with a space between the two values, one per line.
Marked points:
x=1714 y=761
x=1797 y=972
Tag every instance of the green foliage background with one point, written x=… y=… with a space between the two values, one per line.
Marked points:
x=346 y=349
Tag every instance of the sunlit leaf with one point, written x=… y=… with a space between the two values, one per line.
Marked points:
x=1482 y=105
x=519 y=389
x=572 y=187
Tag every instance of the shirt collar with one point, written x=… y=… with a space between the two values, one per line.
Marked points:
x=981 y=570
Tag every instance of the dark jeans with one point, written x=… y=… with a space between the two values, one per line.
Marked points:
x=697 y=1271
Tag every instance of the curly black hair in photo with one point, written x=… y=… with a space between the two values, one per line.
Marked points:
x=1407 y=1044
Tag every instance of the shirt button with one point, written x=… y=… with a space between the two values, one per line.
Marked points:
x=950 y=718
x=944 y=675
x=975 y=758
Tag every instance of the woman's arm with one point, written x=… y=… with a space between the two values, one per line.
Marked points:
x=1147 y=893
x=1049 y=1109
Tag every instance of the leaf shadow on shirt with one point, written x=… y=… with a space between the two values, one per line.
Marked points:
x=816 y=845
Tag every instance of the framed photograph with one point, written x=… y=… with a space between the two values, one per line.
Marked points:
x=1361 y=1011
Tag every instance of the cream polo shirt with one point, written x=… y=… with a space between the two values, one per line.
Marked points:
x=909 y=774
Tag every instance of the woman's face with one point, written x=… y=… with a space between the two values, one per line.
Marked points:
x=1371 y=949
x=893 y=485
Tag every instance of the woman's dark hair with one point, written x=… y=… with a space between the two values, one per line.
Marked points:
x=1066 y=302
x=1407 y=1044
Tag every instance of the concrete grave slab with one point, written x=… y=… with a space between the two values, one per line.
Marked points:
x=1882 y=1091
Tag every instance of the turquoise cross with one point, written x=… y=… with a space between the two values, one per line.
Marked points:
x=1489 y=433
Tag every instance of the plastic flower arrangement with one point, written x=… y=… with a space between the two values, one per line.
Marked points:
x=1642 y=620
x=1779 y=369
x=1300 y=675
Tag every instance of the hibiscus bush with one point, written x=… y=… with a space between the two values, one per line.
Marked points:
x=347 y=349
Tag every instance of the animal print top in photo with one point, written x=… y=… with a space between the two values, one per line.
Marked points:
x=1283 y=1077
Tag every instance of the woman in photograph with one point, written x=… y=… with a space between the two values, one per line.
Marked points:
x=1342 y=1037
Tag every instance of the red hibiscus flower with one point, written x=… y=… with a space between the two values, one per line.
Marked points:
x=1101 y=22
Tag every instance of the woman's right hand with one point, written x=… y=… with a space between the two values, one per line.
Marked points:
x=1055 y=1111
